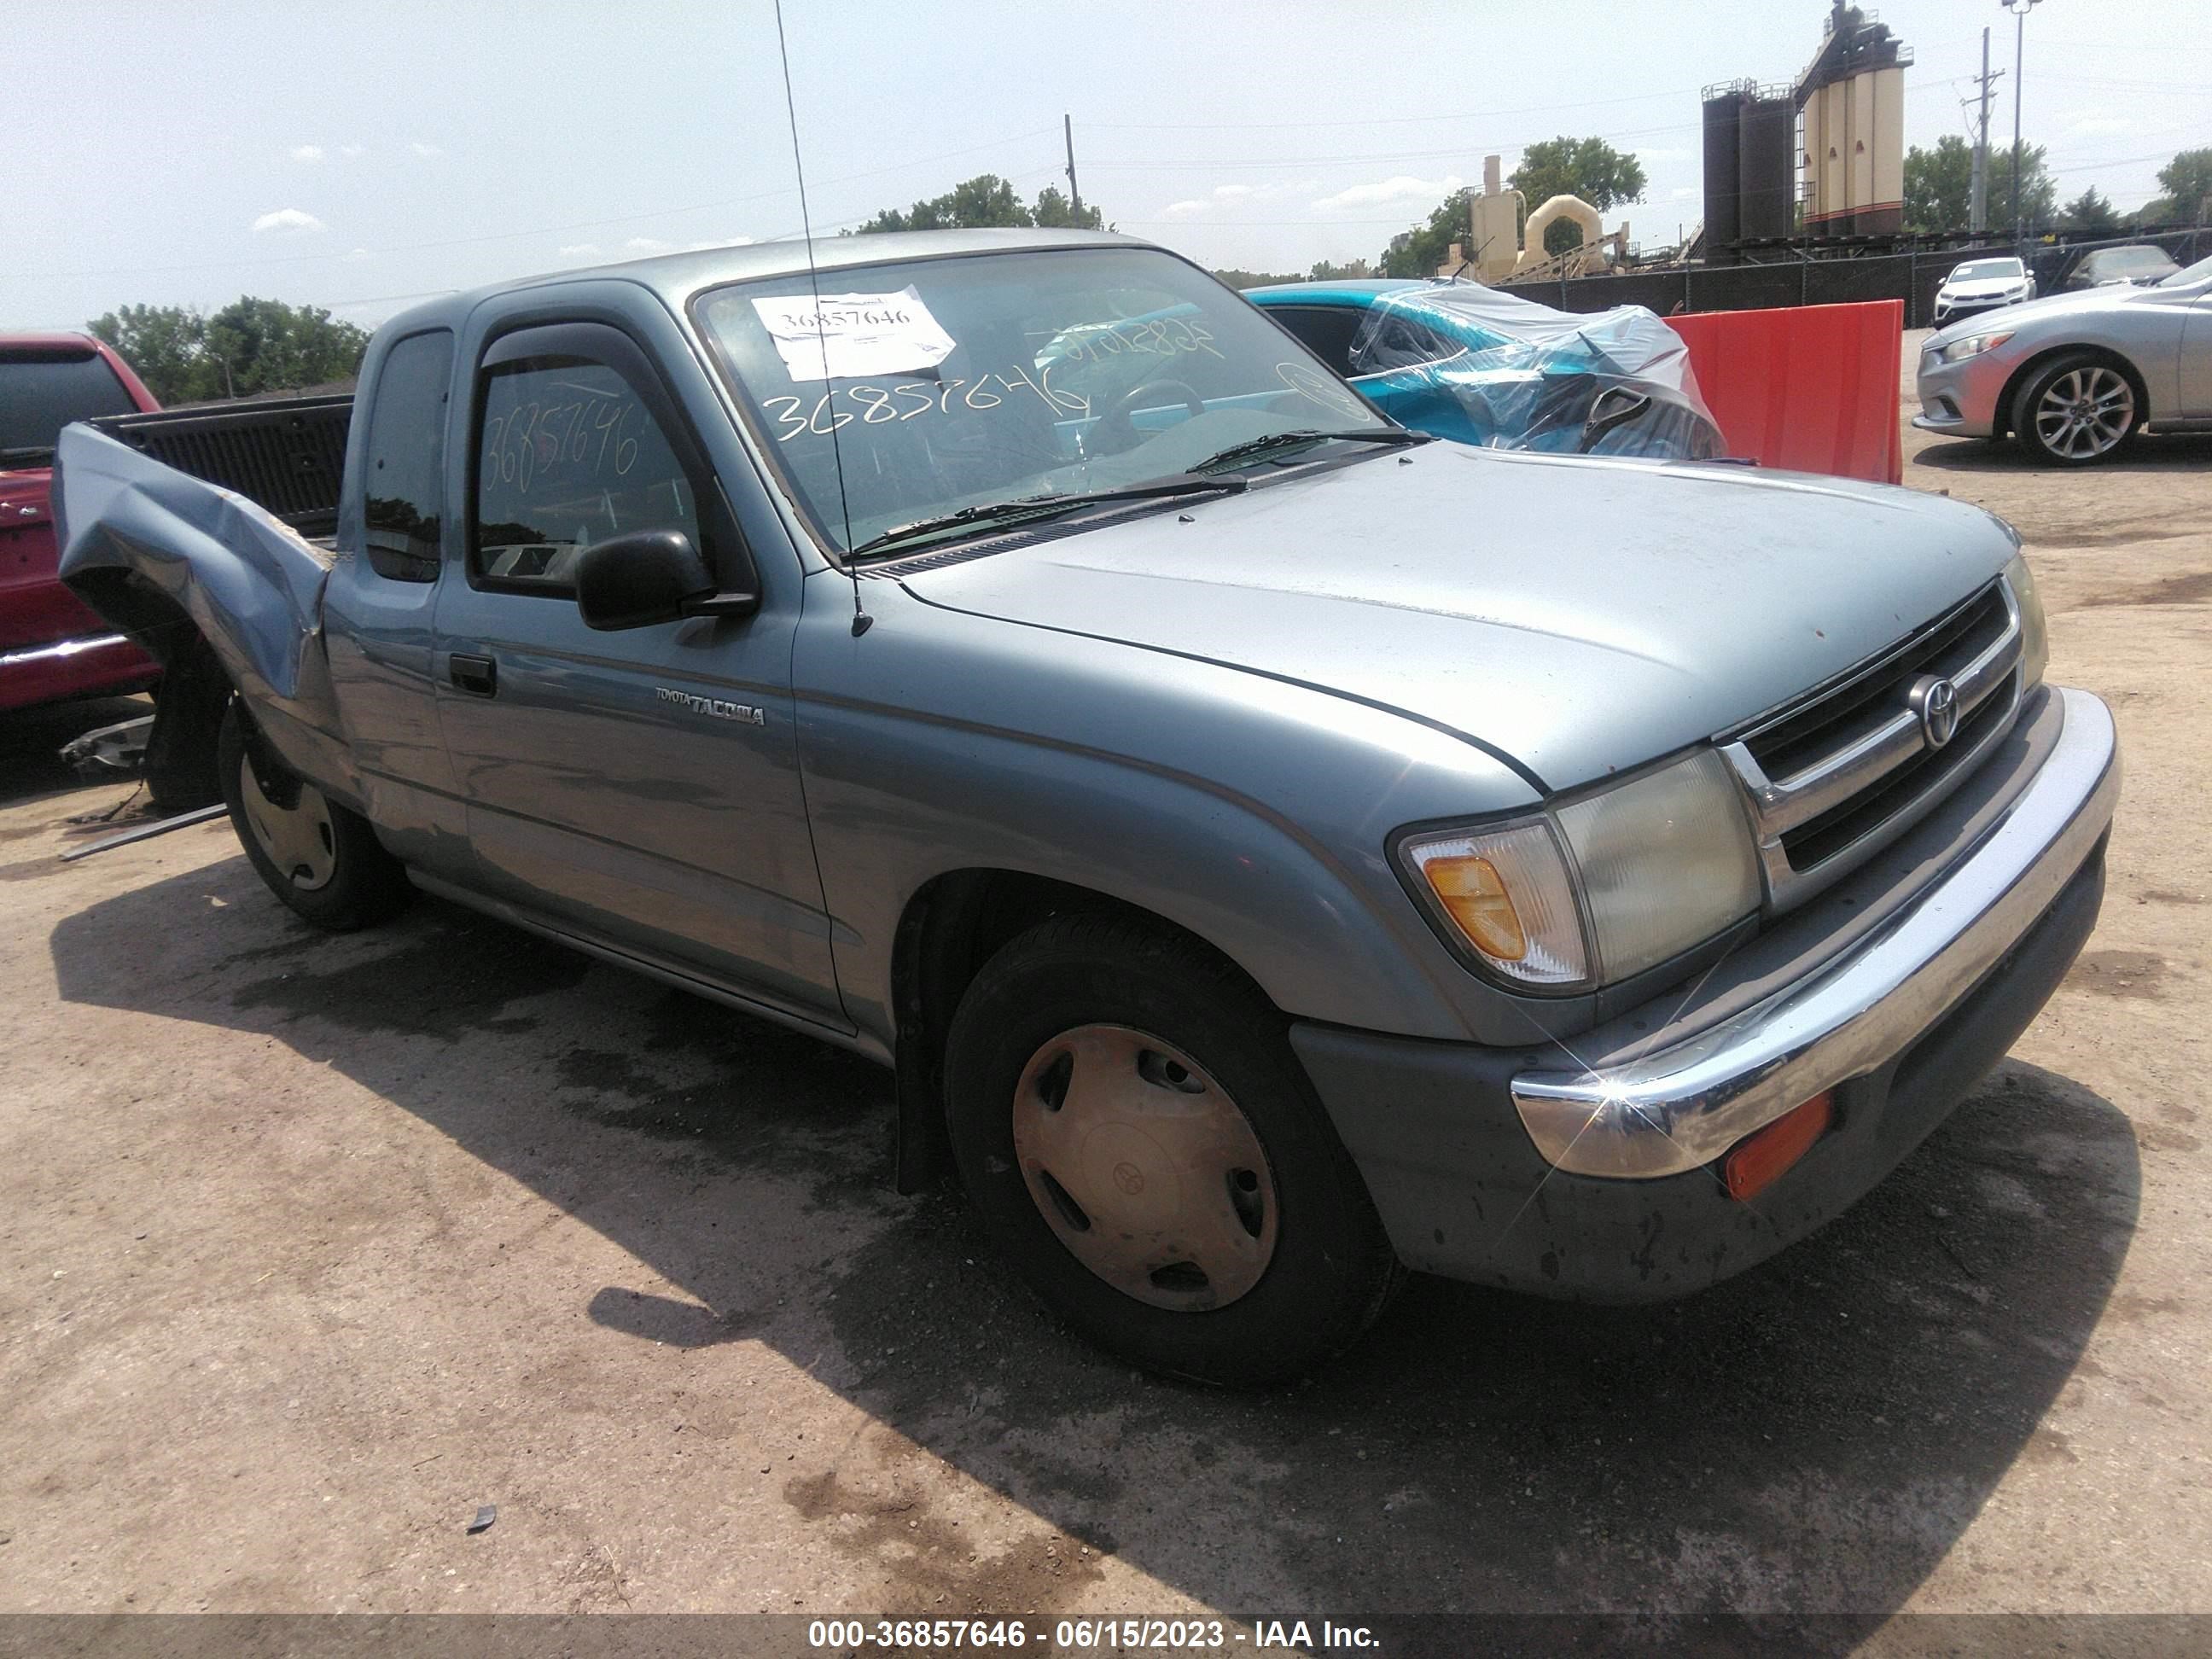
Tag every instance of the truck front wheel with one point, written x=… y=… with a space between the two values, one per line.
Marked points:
x=1129 y=1119
x=324 y=861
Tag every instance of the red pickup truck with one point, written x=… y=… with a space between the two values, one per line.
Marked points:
x=51 y=646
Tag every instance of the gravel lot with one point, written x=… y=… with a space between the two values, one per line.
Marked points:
x=310 y=1247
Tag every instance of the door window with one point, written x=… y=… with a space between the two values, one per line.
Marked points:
x=569 y=454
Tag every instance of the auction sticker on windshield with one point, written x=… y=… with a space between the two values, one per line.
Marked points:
x=842 y=335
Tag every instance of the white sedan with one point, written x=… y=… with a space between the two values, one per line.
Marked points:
x=1981 y=285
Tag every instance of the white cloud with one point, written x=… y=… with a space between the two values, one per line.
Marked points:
x=1404 y=187
x=427 y=152
x=726 y=242
x=1231 y=192
x=1189 y=209
x=1683 y=193
x=308 y=152
x=2100 y=126
x=360 y=253
x=648 y=244
x=288 y=222
x=581 y=251
x=353 y=152
x=1663 y=155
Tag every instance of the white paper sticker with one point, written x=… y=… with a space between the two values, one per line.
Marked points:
x=844 y=336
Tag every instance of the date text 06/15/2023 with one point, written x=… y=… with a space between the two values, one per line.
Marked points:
x=1120 y=1635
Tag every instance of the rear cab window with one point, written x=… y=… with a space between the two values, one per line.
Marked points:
x=406 y=486
x=43 y=388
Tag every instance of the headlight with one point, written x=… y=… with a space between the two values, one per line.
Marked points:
x=1601 y=888
x=1972 y=346
x=2034 y=638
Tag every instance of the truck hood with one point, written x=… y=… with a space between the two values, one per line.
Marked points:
x=1575 y=615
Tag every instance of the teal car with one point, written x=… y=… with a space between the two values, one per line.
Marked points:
x=1479 y=366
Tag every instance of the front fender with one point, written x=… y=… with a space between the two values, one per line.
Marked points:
x=1252 y=814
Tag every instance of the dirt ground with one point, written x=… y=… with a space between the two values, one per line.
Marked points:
x=309 y=1247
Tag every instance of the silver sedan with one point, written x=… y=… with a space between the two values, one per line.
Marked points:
x=2075 y=376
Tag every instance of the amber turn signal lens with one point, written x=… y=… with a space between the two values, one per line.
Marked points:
x=1470 y=888
x=1758 y=1159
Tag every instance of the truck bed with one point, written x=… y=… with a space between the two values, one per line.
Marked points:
x=285 y=454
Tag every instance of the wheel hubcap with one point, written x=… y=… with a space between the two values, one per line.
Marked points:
x=2085 y=412
x=299 y=839
x=1144 y=1168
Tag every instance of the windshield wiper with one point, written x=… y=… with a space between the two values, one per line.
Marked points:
x=1390 y=436
x=1045 y=506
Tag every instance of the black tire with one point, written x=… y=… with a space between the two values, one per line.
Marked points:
x=1331 y=1267
x=358 y=885
x=2111 y=402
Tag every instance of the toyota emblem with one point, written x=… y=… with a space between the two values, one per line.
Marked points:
x=1936 y=702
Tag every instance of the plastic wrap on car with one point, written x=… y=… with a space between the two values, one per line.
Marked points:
x=1528 y=377
x=251 y=584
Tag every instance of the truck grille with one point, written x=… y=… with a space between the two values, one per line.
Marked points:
x=1835 y=777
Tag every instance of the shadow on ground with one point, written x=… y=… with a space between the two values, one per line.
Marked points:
x=2151 y=451
x=1813 y=1436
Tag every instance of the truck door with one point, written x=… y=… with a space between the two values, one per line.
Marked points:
x=640 y=788
x=378 y=604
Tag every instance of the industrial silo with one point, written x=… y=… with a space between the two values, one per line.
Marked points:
x=1723 y=178
x=1853 y=96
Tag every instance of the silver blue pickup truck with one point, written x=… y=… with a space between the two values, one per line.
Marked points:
x=1272 y=851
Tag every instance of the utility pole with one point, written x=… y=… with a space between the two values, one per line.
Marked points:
x=2019 y=9
x=1978 y=219
x=1074 y=189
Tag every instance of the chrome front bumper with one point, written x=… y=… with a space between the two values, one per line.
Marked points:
x=1673 y=1109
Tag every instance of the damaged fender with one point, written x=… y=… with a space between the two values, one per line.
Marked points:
x=151 y=548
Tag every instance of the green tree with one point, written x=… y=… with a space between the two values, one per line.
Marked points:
x=265 y=345
x=2089 y=213
x=1241 y=280
x=166 y=345
x=250 y=346
x=1420 y=251
x=1352 y=271
x=1604 y=177
x=1054 y=211
x=987 y=200
x=1939 y=187
x=2187 y=182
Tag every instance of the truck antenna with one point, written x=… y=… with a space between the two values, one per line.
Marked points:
x=862 y=620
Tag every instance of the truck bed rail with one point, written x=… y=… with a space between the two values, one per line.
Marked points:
x=288 y=454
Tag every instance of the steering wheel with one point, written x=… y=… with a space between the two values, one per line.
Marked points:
x=1120 y=420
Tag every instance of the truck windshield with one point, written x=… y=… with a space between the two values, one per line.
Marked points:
x=959 y=382
x=43 y=389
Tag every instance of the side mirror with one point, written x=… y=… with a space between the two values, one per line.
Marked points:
x=650 y=576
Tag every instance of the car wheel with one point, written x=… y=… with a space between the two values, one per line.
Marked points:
x=1129 y=1121
x=2076 y=410
x=324 y=861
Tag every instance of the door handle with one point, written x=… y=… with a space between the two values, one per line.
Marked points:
x=478 y=675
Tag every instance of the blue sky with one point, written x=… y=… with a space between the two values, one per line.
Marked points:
x=356 y=155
